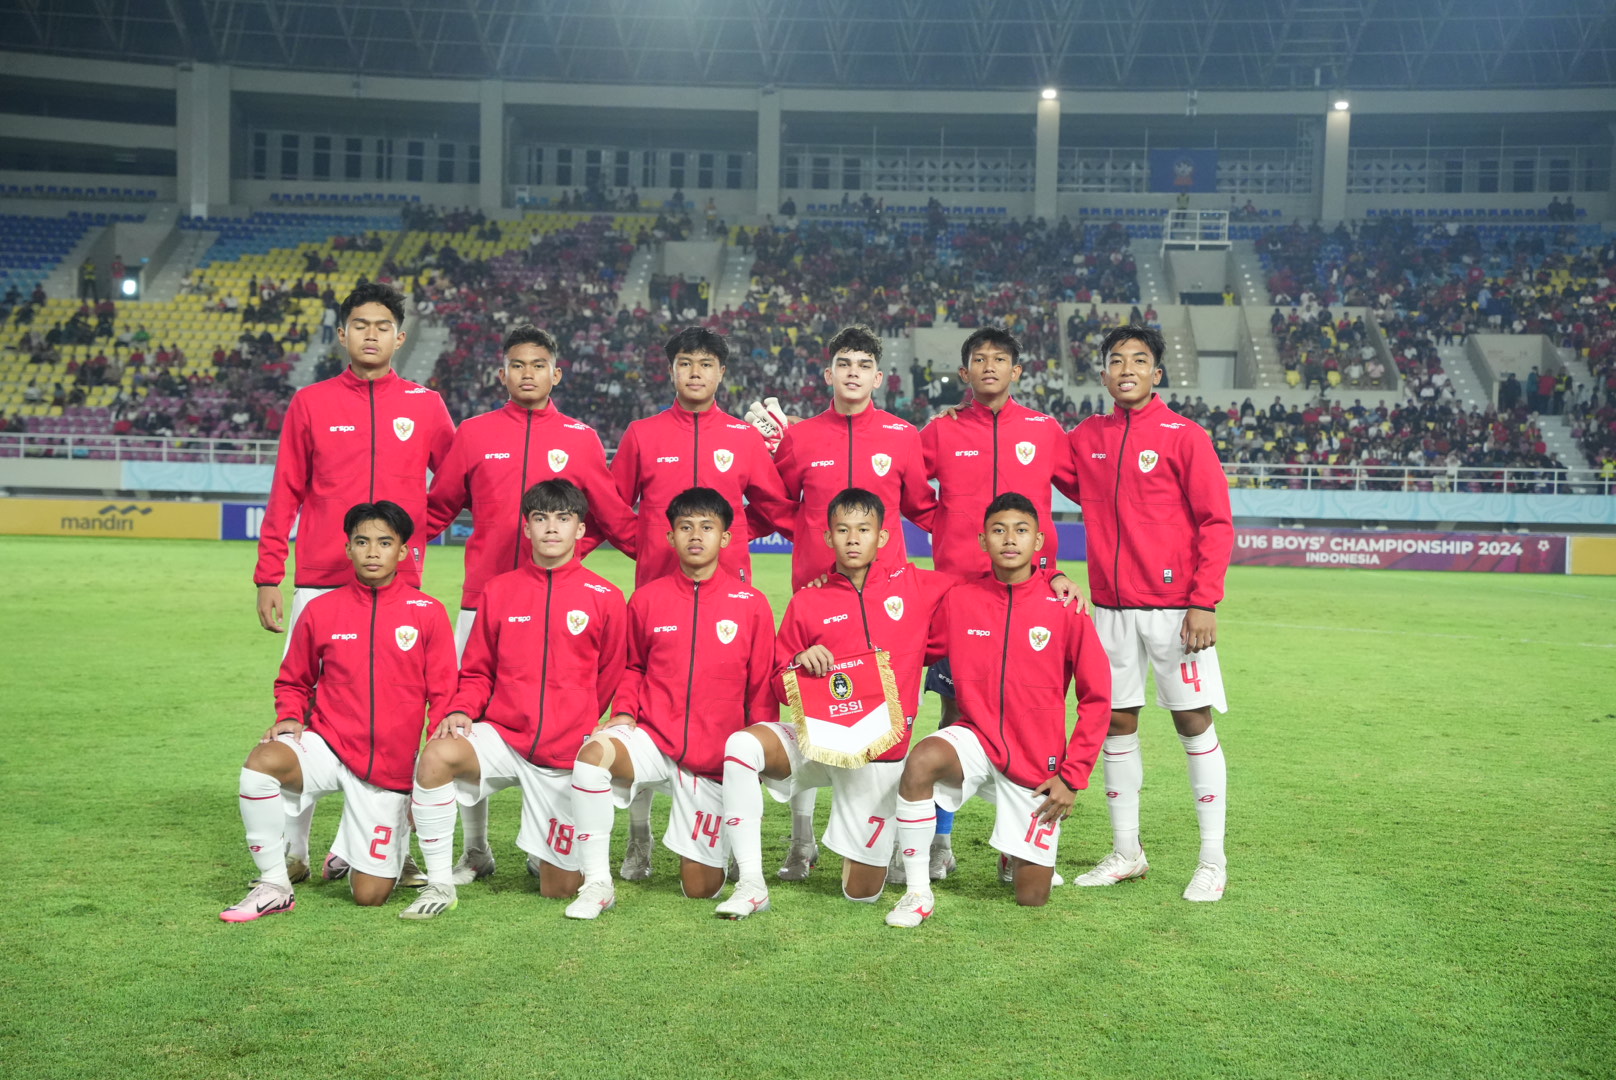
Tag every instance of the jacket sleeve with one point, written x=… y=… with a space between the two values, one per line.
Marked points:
x=626 y=467
x=768 y=508
x=443 y=432
x=1065 y=476
x=299 y=673
x=790 y=641
x=293 y=460
x=760 y=699
x=1091 y=670
x=613 y=654
x=609 y=516
x=918 y=498
x=631 y=683
x=450 y=492
x=475 y=687
x=1206 y=489
x=442 y=676
x=928 y=449
x=937 y=636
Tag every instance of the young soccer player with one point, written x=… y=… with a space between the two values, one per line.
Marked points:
x=700 y=657
x=543 y=661
x=493 y=461
x=362 y=436
x=365 y=664
x=1156 y=505
x=1014 y=650
x=694 y=443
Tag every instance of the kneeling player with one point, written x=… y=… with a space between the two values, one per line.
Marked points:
x=544 y=658
x=1014 y=650
x=700 y=655
x=364 y=662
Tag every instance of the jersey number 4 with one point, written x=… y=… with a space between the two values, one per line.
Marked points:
x=1191 y=674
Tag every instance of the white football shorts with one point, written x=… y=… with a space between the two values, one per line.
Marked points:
x=863 y=800
x=463 y=624
x=696 y=826
x=1017 y=831
x=547 y=823
x=374 y=833
x=1135 y=637
x=300 y=600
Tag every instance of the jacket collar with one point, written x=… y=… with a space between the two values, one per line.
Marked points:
x=721 y=579
x=383 y=592
x=353 y=382
x=566 y=569
x=1148 y=411
x=548 y=414
x=695 y=420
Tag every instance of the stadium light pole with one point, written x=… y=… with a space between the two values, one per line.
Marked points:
x=1342 y=104
x=1050 y=94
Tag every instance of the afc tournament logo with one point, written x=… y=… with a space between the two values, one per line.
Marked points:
x=894 y=607
x=576 y=622
x=841 y=687
x=1038 y=637
x=558 y=460
x=723 y=459
x=406 y=636
x=726 y=631
x=1025 y=452
x=1147 y=460
x=880 y=463
x=403 y=427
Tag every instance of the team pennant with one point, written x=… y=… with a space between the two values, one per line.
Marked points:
x=851 y=715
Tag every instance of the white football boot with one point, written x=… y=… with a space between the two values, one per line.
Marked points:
x=473 y=865
x=594 y=898
x=746 y=899
x=1207 y=883
x=1115 y=868
x=914 y=909
x=431 y=902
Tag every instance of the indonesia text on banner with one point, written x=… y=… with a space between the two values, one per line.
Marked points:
x=109 y=517
x=1504 y=553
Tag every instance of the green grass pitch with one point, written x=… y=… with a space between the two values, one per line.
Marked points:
x=1422 y=843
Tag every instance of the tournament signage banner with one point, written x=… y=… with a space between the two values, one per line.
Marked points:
x=850 y=715
x=109 y=517
x=1183 y=170
x=1400 y=550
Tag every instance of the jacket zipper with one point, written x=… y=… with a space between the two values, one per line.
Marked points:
x=995 y=455
x=695 y=450
x=850 y=457
x=690 y=680
x=865 y=615
x=544 y=668
x=1116 y=510
x=1004 y=662
x=527 y=437
x=371 y=387
x=371 y=767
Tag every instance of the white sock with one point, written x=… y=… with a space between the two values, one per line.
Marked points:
x=1209 y=782
x=474 y=826
x=297 y=836
x=1124 y=776
x=434 y=811
x=802 y=816
x=592 y=820
x=263 y=814
x=639 y=814
x=743 y=805
x=917 y=824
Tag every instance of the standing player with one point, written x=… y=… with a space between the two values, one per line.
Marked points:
x=543 y=661
x=694 y=443
x=362 y=436
x=1014 y=649
x=1156 y=505
x=493 y=461
x=365 y=663
x=700 y=656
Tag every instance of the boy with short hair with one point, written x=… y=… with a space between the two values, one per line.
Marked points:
x=700 y=658
x=1014 y=650
x=543 y=661
x=365 y=663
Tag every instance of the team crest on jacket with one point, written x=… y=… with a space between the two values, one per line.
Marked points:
x=1038 y=637
x=880 y=463
x=558 y=460
x=403 y=427
x=894 y=607
x=406 y=636
x=576 y=622
x=1025 y=452
x=726 y=630
x=1147 y=460
x=723 y=459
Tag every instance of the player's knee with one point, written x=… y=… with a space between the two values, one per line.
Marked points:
x=272 y=759
x=1193 y=722
x=1124 y=723
x=592 y=752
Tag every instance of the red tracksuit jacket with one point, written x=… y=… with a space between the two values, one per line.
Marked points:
x=1014 y=650
x=544 y=659
x=828 y=453
x=978 y=455
x=349 y=440
x=364 y=668
x=495 y=458
x=699 y=659
x=664 y=454
x=893 y=612
x=1156 y=506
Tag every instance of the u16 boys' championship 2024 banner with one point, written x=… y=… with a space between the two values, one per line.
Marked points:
x=849 y=716
x=1520 y=554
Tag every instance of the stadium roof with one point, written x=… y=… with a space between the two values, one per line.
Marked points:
x=931 y=44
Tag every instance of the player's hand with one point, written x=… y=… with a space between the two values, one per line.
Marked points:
x=269 y=609
x=455 y=726
x=1058 y=803
x=294 y=728
x=816 y=660
x=1062 y=586
x=621 y=719
x=817 y=582
x=1200 y=630
x=948 y=412
x=770 y=420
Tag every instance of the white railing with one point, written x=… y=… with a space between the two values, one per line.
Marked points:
x=1419 y=479
x=138 y=448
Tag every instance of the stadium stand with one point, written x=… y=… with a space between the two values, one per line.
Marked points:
x=31 y=247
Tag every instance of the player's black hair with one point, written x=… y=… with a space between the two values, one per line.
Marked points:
x=990 y=335
x=1011 y=500
x=692 y=502
x=698 y=339
x=394 y=516
x=1149 y=335
x=855 y=338
x=373 y=292
x=554 y=497
x=528 y=334
x=859 y=501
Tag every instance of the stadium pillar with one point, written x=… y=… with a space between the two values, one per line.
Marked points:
x=202 y=130
x=768 y=152
x=1046 y=161
x=491 y=160
x=1333 y=177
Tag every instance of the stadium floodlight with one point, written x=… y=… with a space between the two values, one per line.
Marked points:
x=1050 y=93
x=1342 y=104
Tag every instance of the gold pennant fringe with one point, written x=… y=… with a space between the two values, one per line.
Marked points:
x=891 y=738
